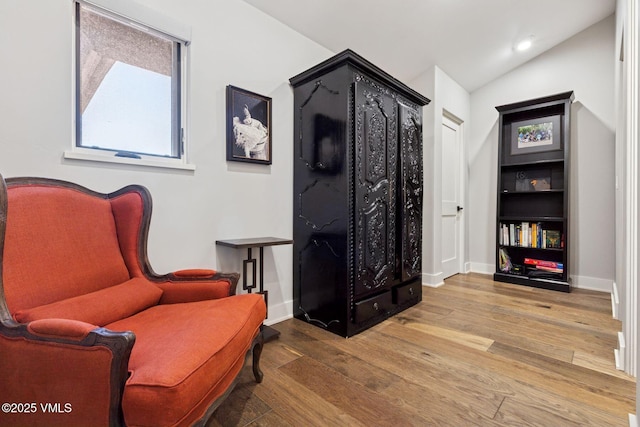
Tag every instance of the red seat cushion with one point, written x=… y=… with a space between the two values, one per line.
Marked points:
x=185 y=355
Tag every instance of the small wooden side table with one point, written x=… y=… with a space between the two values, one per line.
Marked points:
x=256 y=242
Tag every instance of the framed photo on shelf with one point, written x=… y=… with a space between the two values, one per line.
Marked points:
x=248 y=126
x=536 y=135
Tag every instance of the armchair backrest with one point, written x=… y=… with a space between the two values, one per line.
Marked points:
x=63 y=240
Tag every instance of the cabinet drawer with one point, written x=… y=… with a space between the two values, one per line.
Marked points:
x=408 y=292
x=372 y=307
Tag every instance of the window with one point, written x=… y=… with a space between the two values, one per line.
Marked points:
x=129 y=95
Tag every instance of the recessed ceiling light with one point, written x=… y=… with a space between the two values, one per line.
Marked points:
x=524 y=44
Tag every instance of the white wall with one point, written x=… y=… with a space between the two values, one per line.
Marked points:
x=446 y=95
x=584 y=64
x=232 y=43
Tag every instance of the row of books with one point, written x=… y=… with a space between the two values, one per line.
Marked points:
x=530 y=235
x=539 y=264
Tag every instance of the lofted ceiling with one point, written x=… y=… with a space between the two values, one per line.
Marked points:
x=470 y=40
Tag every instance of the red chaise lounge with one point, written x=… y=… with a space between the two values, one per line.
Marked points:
x=90 y=335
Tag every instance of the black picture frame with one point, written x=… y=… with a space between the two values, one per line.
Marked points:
x=545 y=135
x=248 y=126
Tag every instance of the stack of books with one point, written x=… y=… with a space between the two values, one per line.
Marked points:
x=549 y=266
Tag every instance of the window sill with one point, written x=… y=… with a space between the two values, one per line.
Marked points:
x=155 y=163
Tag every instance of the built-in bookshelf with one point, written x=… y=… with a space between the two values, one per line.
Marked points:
x=532 y=227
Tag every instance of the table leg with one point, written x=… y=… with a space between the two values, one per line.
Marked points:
x=268 y=333
x=245 y=263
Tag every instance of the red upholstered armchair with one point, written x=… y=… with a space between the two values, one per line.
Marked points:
x=90 y=335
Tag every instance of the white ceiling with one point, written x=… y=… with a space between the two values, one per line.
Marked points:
x=470 y=40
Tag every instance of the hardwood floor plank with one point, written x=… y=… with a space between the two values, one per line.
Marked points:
x=435 y=310
x=244 y=408
x=270 y=419
x=358 y=401
x=474 y=353
x=483 y=322
x=342 y=362
x=298 y=405
x=604 y=384
x=463 y=338
x=438 y=408
x=519 y=412
x=420 y=365
x=605 y=365
x=279 y=354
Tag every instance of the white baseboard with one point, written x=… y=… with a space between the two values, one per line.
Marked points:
x=271 y=322
x=279 y=312
x=478 y=267
x=615 y=301
x=467 y=267
x=620 y=352
x=633 y=421
x=591 y=283
x=429 y=285
x=432 y=280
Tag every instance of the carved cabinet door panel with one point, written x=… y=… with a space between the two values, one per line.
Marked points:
x=375 y=170
x=410 y=208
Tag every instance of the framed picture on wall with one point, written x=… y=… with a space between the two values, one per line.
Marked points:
x=248 y=126
x=536 y=135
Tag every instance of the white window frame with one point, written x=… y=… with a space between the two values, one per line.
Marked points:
x=138 y=16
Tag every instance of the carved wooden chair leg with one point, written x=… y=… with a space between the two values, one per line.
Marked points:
x=257 y=351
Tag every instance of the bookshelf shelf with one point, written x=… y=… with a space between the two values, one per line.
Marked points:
x=531 y=218
x=505 y=192
x=532 y=224
x=533 y=163
x=528 y=248
x=556 y=285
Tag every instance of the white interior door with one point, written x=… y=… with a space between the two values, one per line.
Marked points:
x=451 y=198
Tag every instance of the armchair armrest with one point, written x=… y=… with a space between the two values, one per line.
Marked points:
x=61 y=329
x=61 y=368
x=198 y=274
x=195 y=285
x=193 y=273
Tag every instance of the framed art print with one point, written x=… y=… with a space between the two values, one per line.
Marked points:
x=536 y=135
x=248 y=126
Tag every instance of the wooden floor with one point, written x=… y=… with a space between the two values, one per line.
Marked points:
x=474 y=352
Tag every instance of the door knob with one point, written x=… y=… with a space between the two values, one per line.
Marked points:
x=460 y=208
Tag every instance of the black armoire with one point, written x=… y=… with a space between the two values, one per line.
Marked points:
x=357 y=209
